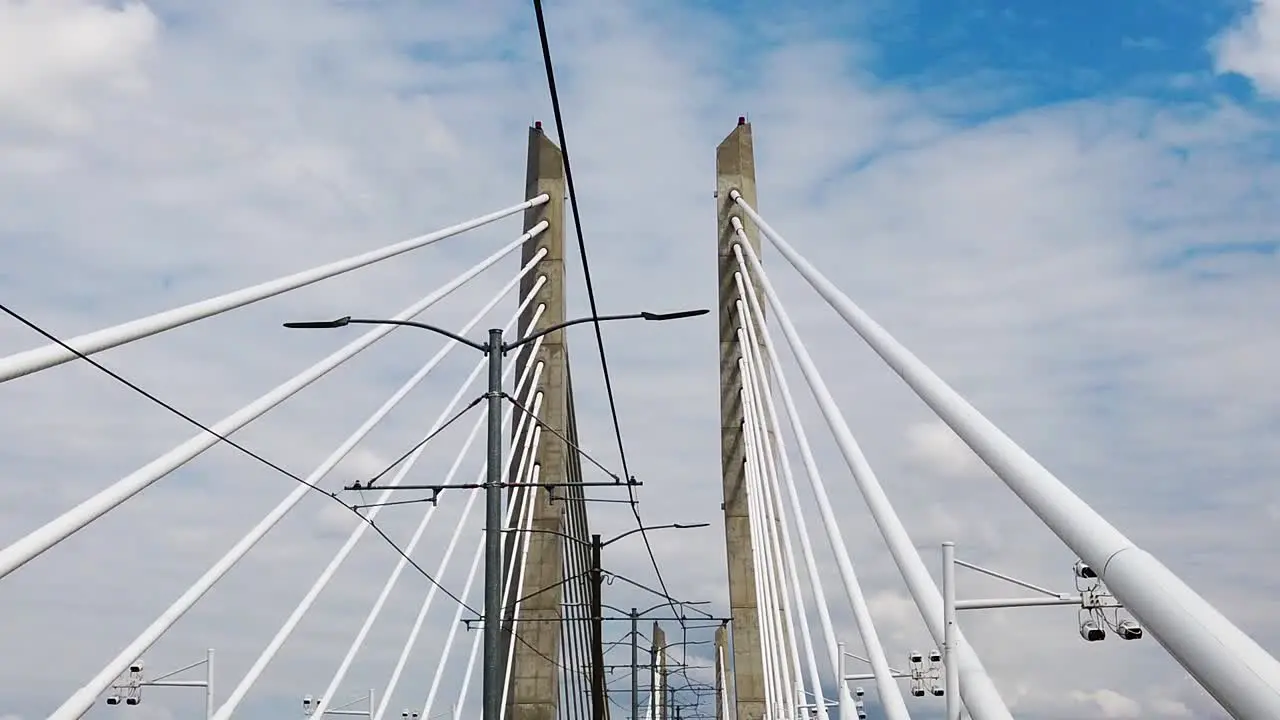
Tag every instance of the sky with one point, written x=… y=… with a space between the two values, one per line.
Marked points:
x=1062 y=208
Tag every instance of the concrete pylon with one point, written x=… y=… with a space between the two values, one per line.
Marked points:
x=724 y=683
x=736 y=170
x=535 y=681
x=658 y=682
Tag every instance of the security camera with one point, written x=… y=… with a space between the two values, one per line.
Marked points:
x=306 y=704
x=937 y=691
x=113 y=699
x=935 y=656
x=917 y=692
x=136 y=667
x=1085 y=572
x=1129 y=630
x=915 y=657
x=1090 y=631
x=862 y=714
x=859 y=692
x=132 y=700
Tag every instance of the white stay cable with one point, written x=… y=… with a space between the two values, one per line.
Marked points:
x=779 y=539
x=466 y=590
x=71 y=521
x=523 y=562
x=887 y=687
x=83 y=699
x=1233 y=667
x=980 y=695
x=760 y=390
x=30 y=361
x=237 y=695
x=529 y=503
x=412 y=638
x=530 y=450
x=748 y=318
x=787 y=652
x=466 y=677
x=323 y=702
x=764 y=608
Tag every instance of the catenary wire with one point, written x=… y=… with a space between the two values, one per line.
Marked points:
x=549 y=66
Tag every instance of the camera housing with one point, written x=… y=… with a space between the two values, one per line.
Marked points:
x=915 y=657
x=1084 y=572
x=1091 y=632
x=132 y=700
x=113 y=699
x=1129 y=630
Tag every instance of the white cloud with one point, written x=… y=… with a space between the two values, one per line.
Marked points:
x=1036 y=260
x=55 y=54
x=1251 y=47
x=1111 y=703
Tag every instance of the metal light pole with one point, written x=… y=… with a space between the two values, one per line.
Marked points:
x=496 y=348
x=597 y=632
x=493 y=534
x=635 y=681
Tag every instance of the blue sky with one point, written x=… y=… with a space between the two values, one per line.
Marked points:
x=1067 y=209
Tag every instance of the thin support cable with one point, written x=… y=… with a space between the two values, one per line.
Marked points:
x=1233 y=667
x=59 y=529
x=760 y=391
x=886 y=685
x=460 y=706
x=576 y=632
x=237 y=695
x=83 y=699
x=340 y=674
x=522 y=502
x=764 y=615
x=757 y=364
x=520 y=579
x=776 y=524
x=981 y=697
x=412 y=638
x=768 y=547
x=34 y=360
x=457 y=617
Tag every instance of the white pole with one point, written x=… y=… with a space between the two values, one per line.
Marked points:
x=62 y=527
x=1233 y=668
x=208 y=684
x=27 y=362
x=983 y=701
x=949 y=637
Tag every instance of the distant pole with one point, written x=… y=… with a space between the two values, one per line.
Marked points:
x=635 y=681
x=209 y=708
x=493 y=535
x=597 y=632
x=951 y=676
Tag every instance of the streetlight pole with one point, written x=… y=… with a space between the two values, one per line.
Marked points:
x=635 y=681
x=493 y=534
x=597 y=632
x=496 y=348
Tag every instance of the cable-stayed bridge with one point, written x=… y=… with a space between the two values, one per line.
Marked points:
x=525 y=628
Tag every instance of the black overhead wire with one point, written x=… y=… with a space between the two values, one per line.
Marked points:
x=591 y=297
x=274 y=466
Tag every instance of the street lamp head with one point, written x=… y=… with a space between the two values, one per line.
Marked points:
x=320 y=324
x=673 y=316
